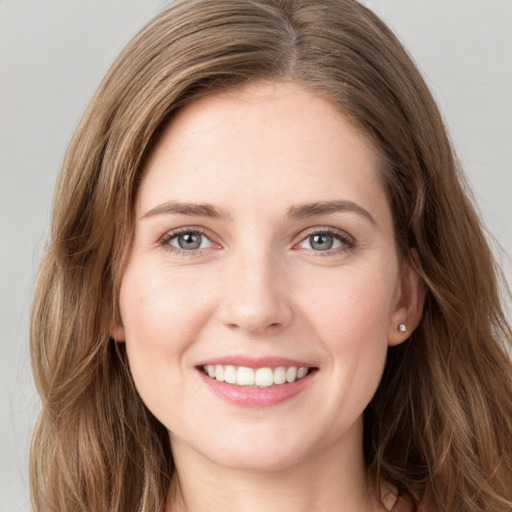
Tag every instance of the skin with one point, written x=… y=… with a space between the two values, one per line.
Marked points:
x=258 y=286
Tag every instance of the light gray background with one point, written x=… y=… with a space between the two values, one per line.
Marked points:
x=53 y=53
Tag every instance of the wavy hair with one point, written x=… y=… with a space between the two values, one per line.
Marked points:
x=440 y=424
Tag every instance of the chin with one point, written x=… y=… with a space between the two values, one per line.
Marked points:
x=254 y=452
x=257 y=461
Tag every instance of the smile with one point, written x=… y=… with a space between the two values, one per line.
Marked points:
x=260 y=377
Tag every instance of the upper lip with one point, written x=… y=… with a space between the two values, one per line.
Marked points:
x=256 y=362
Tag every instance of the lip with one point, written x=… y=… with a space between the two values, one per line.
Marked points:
x=256 y=362
x=253 y=396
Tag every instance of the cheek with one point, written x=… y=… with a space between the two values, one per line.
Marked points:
x=161 y=318
x=353 y=305
x=351 y=316
x=158 y=306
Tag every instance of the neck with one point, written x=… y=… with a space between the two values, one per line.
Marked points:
x=332 y=480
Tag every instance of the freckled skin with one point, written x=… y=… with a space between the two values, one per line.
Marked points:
x=257 y=286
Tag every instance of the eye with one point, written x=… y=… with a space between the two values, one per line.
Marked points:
x=186 y=241
x=327 y=241
x=320 y=242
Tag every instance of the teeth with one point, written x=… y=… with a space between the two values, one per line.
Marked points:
x=230 y=374
x=280 y=375
x=219 y=372
x=245 y=376
x=291 y=374
x=301 y=372
x=261 y=377
x=264 y=377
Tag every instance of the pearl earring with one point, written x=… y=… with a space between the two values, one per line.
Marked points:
x=402 y=328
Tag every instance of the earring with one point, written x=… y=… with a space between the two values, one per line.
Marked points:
x=402 y=328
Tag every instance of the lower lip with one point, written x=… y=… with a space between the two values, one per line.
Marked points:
x=252 y=396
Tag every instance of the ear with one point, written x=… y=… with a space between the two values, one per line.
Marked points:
x=409 y=305
x=117 y=331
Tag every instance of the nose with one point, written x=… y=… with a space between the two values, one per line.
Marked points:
x=256 y=296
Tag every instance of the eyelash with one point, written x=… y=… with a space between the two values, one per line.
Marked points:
x=348 y=242
x=164 y=242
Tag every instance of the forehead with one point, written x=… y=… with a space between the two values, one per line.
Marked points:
x=262 y=141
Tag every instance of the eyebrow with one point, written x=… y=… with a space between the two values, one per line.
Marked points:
x=190 y=209
x=303 y=211
x=326 y=207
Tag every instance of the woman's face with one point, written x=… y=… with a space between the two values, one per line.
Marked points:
x=263 y=249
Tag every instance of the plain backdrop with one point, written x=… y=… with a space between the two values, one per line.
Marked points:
x=53 y=53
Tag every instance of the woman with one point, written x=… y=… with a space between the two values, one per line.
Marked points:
x=266 y=286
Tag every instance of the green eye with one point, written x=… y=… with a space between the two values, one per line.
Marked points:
x=189 y=241
x=323 y=241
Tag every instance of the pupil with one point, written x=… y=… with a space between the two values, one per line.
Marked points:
x=189 y=241
x=322 y=242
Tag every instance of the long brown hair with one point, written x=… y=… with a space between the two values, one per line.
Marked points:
x=440 y=423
